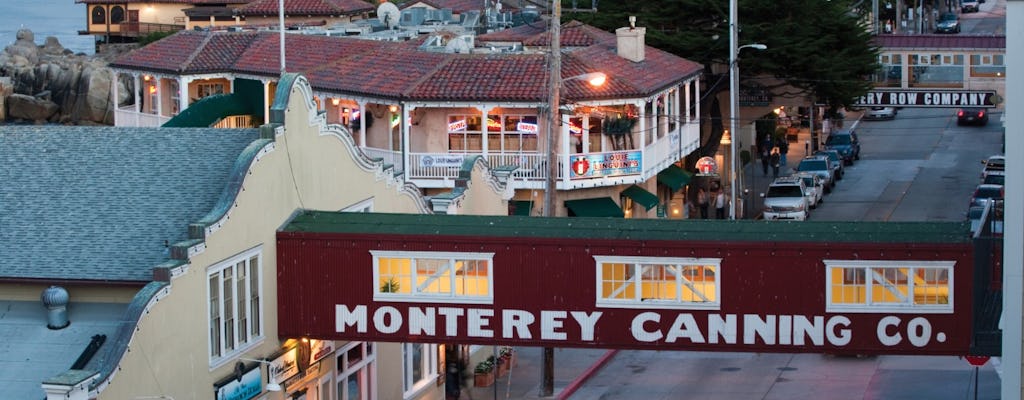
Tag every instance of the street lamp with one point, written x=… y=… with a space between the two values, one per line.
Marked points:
x=734 y=84
x=272 y=385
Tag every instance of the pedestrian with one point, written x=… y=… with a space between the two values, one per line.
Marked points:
x=783 y=150
x=775 y=158
x=702 y=203
x=764 y=160
x=720 y=204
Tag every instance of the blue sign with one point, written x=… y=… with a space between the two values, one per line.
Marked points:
x=250 y=386
x=601 y=165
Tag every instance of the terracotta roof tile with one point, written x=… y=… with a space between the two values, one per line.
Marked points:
x=487 y=77
x=302 y=52
x=197 y=2
x=388 y=71
x=961 y=41
x=170 y=54
x=306 y=7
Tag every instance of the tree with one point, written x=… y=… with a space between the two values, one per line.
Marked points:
x=819 y=50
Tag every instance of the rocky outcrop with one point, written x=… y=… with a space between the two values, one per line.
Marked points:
x=79 y=86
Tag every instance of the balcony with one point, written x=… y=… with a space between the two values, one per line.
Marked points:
x=127 y=116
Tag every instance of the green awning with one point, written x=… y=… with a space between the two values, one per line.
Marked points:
x=596 y=207
x=641 y=196
x=674 y=177
x=521 y=207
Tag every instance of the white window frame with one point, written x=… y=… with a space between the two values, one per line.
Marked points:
x=418 y=296
x=255 y=330
x=428 y=364
x=637 y=302
x=365 y=368
x=908 y=306
x=365 y=206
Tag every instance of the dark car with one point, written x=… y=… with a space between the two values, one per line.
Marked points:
x=948 y=23
x=846 y=143
x=972 y=116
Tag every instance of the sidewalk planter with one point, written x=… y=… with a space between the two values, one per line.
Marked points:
x=483 y=379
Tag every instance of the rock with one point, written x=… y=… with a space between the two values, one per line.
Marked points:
x=20 y=106
x=6 y=89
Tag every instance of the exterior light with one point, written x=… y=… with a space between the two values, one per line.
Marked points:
x=393 y=108
x=335 y=101
x=272 y=385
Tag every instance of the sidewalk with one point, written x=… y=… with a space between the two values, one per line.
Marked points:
x=572 y=367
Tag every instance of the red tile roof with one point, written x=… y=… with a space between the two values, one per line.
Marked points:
x=961 y=41
x=400 y=70
x=197 y=2
x=306 y=7
x=457 y=6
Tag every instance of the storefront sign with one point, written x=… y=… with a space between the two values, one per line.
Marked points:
x=605 y=164
x=453 y=160
x=284 y=366
x=457 y=126
x=930 y=98
x=526 y=127
x=706 y=166
x=247 y=387
x=551 y=327
x=319 y=349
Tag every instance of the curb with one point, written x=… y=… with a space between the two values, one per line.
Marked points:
x=580 y=380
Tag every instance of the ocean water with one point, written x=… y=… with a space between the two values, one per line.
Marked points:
x=60 y=18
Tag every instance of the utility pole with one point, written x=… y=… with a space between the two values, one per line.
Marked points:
x=548 y=386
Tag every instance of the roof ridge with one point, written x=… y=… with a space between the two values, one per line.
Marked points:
x=195 y=53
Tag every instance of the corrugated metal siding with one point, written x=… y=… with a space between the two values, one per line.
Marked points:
x=318 y=271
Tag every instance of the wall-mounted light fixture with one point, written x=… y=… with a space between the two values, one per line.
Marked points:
x=272 y=385
x=393 y=108
x=335 y=101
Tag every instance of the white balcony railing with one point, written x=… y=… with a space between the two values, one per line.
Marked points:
x=127 y=116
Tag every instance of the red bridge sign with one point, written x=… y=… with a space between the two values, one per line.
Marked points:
x=977 y=361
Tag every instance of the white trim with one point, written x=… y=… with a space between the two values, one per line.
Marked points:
x=429 y=368
x=908 y=306
x=439 y=298
x=713 y=304
x=228 y=355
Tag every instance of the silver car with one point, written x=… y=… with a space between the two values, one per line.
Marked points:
x=814 y=188
x=818 y=165
x=880 y=113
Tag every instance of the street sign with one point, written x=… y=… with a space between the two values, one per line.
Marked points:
x=977 y=361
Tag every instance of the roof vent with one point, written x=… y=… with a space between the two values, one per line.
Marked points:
x=55 y=298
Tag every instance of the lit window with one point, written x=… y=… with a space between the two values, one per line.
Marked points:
x=652 y=282
x=357 y=367
x=890 y=286
x=419 y=370
x=235 y=309
x=417 y=276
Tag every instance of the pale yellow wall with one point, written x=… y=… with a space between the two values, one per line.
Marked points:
x=313 y=20
x=158 y=13
x=169 y=350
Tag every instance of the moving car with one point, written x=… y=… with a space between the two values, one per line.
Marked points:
x=814 y=188
x=785 y=199
x=846 y=143
x=818 y=165
x=948 y=23
x=972 y=116
x=880 y=113
x=967 y=6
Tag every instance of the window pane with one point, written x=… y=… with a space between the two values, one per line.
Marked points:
x=240 y=287
x=229 y=314
x=214 y=286
x=433 y=276
x=254 y=296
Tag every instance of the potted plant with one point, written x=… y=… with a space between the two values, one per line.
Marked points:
x=508 y=354
x=483 y=374
x=389 y=286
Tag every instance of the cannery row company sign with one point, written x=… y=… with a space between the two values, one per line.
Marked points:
x=681 y=330
x=930 y=98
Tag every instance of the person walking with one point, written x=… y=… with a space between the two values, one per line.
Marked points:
x=720 y=204
x=702 y=203
x=775 y=159
x=764 y=160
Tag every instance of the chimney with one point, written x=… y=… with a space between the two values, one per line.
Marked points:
x=631 y=41
x=55 y=298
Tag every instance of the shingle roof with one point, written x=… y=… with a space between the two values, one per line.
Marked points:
x=103 y=203
x=306 y=7
x=400 y=70
x=961 y=41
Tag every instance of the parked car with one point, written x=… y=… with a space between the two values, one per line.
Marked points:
x=995 y=164
x=846 y=143
x=967 y=6
x=972 y=116
x=948 y=23
x=785 y=199
x=818 y=165
x=835 y=161
x=880 y=113
x=994 y=178
x=985 y=193
x=814 y=188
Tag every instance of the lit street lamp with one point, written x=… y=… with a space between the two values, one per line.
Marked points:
x=734 y=84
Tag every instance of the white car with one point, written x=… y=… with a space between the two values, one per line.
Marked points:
x=880 y=113
x=814 y=188
x=785 y=199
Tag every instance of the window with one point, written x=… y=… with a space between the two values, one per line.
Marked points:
x=116 y=14
x=357 y=367
x=99 y=15
x=891 y=70
x=937 y=70
x=419 y=362
x=505 y=133
x=175 y=97
x=890 y=286
x=209 y=89
x=235 y=311
x=988 y=65
x=419 y=276
x=362 y=206
x=652 y=282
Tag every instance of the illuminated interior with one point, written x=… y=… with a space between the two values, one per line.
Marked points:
x=434 y=276
x=659 y=282
x=889 y=285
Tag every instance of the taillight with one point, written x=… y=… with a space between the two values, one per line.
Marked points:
x=960 y=113
x=981 y=113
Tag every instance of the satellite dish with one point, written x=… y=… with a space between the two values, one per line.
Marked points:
x=388 y=14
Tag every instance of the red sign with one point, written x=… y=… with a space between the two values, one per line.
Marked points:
x=707 y=166
x=977 y=361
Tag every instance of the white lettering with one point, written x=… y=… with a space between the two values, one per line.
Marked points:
x=451 y=319
x=478 y=319
x=841 y=337
x=785 y=329
x=550 y=324
x=724 y=328
x=518 y=321
x=587 y=322
x=883 y=331
x=803 y=328
x=639 y=333
x=387 y=319
x=684 y=327
x=919 y=331
x=344 y=317
x=753 y=326
x=422 y=321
